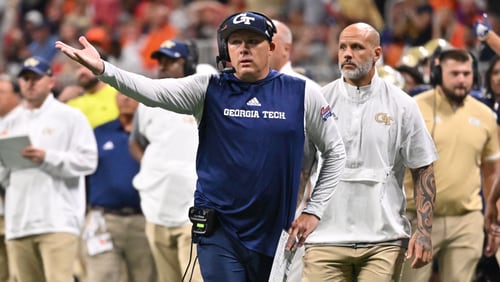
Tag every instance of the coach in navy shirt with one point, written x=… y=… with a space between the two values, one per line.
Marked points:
x=253 y=122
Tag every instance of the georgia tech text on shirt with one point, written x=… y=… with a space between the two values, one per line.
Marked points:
x=254 y=114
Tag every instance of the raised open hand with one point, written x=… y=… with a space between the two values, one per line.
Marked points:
x=88 y=56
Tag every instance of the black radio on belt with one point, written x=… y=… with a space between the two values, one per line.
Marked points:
x=203 y=220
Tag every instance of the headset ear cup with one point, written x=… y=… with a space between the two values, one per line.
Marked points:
x=192 y=59
x=223 y=51
x=223 y=55
x=436 y=75
x=476 y=84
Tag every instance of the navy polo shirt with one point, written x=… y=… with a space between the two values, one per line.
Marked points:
x=111 y=184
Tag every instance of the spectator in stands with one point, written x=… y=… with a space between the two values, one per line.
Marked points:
x=42 y=40
x=159 y=30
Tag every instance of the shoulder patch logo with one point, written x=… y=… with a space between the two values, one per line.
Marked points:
x=254 y=102
x=326 y=112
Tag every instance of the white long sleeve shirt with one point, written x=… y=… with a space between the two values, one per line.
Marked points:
x=51 y=197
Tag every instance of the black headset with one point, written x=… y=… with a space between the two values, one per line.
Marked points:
x=223 y=56
x=192 y=59
x=436 y=71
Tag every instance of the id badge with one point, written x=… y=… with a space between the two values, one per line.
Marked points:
x=99 y=244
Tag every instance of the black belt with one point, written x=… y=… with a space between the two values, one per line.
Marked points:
x=126 y=211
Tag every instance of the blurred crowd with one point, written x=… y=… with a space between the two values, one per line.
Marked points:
x=127 y=31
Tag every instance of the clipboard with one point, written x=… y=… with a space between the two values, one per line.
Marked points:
x=10 y=152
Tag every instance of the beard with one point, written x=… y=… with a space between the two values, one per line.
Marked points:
x=456 y=94
x=359 y=72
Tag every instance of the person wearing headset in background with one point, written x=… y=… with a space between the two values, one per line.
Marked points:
x=253 y=122
x=465 y=134
x=165 y=143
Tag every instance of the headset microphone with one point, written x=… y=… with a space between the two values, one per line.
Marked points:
x=221 y=64
x=228 y=70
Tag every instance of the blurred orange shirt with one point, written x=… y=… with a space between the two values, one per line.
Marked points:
x=457 y=37
x=438 y=4
x=153 y=41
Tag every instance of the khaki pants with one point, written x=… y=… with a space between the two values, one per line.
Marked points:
x=79 y=270
x=332 y=263
x=498 y=256
x=457 y=243
x=172 y=251
x=45 y=257
x=4 y=265
x=4 y=262
x=130 y=250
